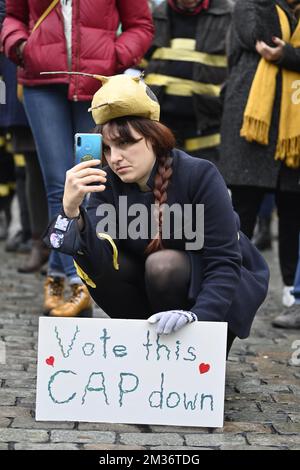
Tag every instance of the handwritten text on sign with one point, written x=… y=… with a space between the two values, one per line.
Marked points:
x=121 y=371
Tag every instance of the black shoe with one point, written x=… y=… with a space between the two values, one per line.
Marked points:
x=263 y=239
x=38 y=257
x=3 y=227
x=19 y=243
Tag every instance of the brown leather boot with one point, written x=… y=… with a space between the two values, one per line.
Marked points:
x=54 y=293
x=79 y=304
x=37 y=258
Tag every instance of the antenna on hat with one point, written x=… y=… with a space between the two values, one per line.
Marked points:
x=101 y=78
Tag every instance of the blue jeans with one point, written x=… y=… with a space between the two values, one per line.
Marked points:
x=54 y=120
x=267 y=206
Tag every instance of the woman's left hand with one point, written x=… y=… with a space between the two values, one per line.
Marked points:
x=272 y=54
x=171 y=320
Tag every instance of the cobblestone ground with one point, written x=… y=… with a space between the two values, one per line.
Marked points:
x=262 y=408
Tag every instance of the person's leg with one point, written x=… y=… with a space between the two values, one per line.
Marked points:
x=22 y=200
x=137 y=291
x=263 y=238
x=79 y=302
x=82 y=121
x=7 y=179
x=38 y=214
x=50 y=119
x=50 y=115
x=296 y=291
x=121 y=293
x=267 y=206
x=36 y=195
x=230 y=338
x=290 y=318
x=167 y=279
x=246 y=201
x=288 y=210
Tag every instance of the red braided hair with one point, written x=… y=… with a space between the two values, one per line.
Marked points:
x=161 y=183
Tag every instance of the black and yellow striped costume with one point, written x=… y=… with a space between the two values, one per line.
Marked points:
x=186 y=69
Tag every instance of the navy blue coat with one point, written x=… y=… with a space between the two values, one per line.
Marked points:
x=229 y=277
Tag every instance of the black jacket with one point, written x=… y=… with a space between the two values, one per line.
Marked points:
x=229 y=277
x=201 y=111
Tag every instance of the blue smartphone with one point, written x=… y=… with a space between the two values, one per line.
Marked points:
x=87 y=147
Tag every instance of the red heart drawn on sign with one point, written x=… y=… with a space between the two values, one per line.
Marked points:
x=203 y=368
x=50 y=361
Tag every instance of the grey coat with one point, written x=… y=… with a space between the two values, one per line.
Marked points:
x=243 y=163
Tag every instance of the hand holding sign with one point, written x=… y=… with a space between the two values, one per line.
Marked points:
x=171 y=320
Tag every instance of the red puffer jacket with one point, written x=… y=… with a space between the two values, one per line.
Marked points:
x=96 y=48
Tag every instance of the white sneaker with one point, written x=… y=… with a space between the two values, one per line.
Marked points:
x=287 y=298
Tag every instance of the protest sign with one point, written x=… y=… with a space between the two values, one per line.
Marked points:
x=122 y=371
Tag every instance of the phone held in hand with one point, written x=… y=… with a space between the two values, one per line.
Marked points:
x=87 y=147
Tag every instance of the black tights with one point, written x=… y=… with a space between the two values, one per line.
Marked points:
x=139 y=289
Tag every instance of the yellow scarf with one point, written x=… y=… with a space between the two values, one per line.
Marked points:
x=258 y=112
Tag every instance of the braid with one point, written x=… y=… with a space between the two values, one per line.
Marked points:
x=161 y=183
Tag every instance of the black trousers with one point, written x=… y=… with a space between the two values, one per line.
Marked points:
x=139 y=289
x=247 y=200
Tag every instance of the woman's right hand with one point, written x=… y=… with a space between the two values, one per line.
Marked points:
x=20 y=51
x=82 y=179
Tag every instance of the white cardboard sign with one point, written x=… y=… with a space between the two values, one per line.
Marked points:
x=121 y=371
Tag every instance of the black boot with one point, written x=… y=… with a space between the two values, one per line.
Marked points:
x=3 y=226
x=262 y=239
x=37 y=258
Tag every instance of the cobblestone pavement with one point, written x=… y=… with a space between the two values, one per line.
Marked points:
x=262 y=408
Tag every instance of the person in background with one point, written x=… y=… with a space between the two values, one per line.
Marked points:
x=263 y=233
x=7 y=182
x=290 y=318
x=156 y=268
x=75 y=36
x=29 y=181
x=186 y=68
x=260 y=131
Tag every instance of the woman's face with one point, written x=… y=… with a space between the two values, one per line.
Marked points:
x=131 y=161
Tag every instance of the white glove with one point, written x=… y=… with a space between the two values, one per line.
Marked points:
x=171 y=321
